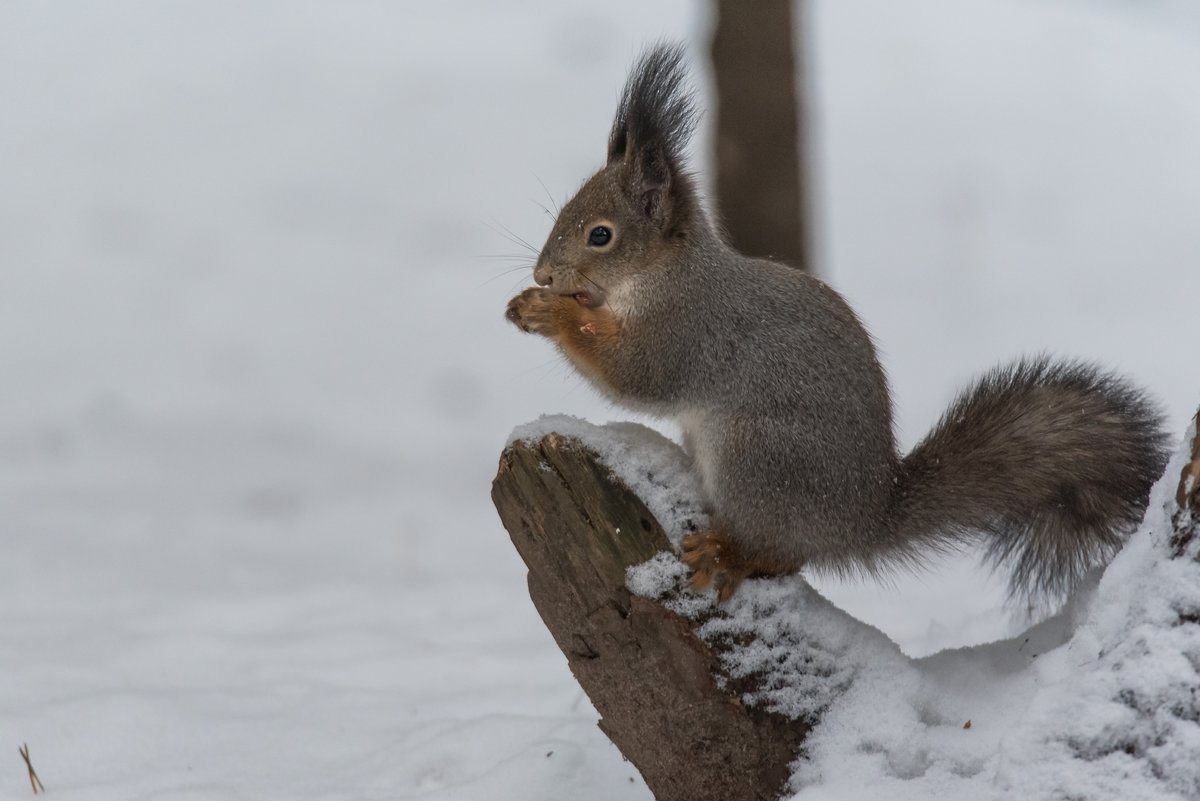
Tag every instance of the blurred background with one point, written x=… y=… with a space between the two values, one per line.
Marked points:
x=254 y=377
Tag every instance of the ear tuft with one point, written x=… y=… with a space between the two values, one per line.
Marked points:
x=656 y=109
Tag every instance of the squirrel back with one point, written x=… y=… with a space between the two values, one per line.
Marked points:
x=784 y=406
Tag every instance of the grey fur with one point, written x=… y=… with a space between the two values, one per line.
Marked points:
x=785 y=407
x=1054 y=460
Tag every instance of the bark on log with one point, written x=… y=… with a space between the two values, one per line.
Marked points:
x=659 y=689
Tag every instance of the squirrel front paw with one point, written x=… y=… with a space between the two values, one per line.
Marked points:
x=536 y=311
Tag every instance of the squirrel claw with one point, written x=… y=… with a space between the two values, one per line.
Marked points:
x=714 y=561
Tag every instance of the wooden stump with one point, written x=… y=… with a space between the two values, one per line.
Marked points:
x=661 y=692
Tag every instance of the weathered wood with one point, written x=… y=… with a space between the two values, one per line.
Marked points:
x=659 y=689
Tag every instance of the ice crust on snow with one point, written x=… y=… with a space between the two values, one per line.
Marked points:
x=1100 y=701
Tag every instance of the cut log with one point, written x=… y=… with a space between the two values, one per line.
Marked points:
x=661 y=692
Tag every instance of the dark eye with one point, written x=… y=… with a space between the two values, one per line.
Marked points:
x=600 y=236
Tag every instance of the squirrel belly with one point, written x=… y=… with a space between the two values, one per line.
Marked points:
x=785 y=408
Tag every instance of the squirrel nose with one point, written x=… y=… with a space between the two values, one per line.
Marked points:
x=542 y=276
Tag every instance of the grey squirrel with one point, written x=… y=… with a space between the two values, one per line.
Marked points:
x=785 y=408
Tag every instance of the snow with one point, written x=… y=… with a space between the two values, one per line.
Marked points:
x=1112 y=713
x=256 y=379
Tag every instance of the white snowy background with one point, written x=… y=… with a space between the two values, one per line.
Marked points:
x=254 y=378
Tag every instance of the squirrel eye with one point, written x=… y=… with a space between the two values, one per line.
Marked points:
x=600 y=236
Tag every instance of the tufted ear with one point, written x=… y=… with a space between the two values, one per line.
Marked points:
x=649 y=181
x=654 y=121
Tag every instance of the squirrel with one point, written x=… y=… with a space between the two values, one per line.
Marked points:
x=784 y=406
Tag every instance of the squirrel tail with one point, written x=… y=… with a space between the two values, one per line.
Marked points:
x=1053 y=460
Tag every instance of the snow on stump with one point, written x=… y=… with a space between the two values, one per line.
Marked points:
x=778 y=692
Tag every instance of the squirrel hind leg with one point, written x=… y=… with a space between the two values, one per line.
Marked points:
x=715 y=560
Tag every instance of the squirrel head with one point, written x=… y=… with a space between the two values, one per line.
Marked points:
x=643 y=203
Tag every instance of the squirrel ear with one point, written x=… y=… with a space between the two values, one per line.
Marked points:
x=654 y=120
x=618 y=142
x=650 y=183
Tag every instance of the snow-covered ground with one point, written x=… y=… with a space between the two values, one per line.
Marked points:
x=254 y=377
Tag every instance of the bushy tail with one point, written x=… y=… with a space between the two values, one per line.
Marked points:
x=1054 y=460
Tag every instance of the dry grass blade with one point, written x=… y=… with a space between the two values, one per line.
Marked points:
x=34 y=781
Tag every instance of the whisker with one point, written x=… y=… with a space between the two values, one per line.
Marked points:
x=593 y=283
x=514 y=269
x=519 y=283
x=549 y=196
x=511 y=237
x=500 y=275
x=519 y=240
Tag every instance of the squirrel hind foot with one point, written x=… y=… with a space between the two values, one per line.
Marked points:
x=715 y=561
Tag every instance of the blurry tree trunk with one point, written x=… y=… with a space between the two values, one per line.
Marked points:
x=661 y=692
x=760 y=133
